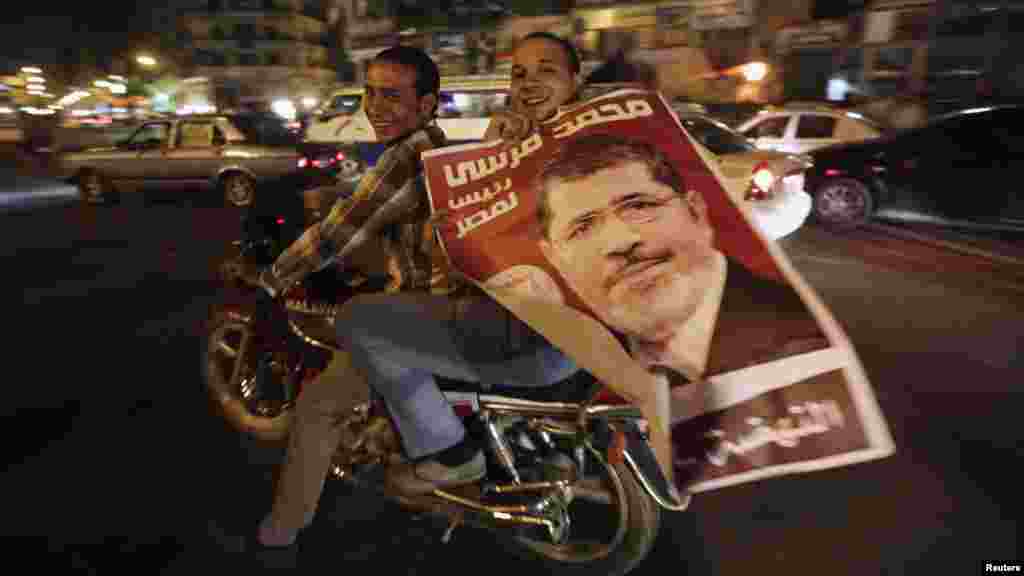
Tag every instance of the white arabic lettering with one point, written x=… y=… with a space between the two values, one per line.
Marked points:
x=812 y=418
x=481 y=217
x=480 y=196
x=473 y=170
x=602 y=115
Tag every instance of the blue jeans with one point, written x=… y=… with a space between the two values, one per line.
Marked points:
x=400 y=341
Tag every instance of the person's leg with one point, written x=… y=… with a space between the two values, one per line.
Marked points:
x=314 y=437
x=400 y=341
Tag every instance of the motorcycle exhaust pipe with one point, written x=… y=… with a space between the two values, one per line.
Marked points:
x=458 y=510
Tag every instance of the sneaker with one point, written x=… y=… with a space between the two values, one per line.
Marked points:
x=277 y=557
x=417 y=478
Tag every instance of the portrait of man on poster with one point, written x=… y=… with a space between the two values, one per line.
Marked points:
x=619 y=223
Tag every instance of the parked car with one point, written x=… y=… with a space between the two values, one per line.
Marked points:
x=770 y=185
x=958 y=169
x=801 y=128
x=229 y=152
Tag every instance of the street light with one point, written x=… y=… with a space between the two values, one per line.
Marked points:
x=31 y=70
x=147 y=61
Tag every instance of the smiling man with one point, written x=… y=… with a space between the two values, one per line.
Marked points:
x=545 y=75
x=615 y=221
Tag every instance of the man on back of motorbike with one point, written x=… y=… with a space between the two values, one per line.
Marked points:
x=396 y=343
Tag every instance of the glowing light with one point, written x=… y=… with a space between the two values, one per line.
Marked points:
x=837 y=89
x=284 y=109
x=31 y=70
x=755 y=71
x=101 y=83
x=146 y=60
x=309 y=102
x=36 y=80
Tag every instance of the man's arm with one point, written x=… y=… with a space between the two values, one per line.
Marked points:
x=385 y=195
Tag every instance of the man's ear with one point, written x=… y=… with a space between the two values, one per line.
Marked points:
x=427 y=104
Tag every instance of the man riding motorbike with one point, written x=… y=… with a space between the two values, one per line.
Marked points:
x=396 y=343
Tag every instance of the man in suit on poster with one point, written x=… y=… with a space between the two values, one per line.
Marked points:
x=616 y=221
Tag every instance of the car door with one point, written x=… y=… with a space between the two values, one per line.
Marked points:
x=141 y=157
x=769 y=133
x=1010 y=152
x=812 y=131
x=952 y=169
x=196 y=151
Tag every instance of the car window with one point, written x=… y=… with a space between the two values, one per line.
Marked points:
x=850 y=129
x=716 y=138
x=956 y=137
x=344 y=104
x=265 y=130
x=1009 y=136
x=152 y=134
x=195 y=135
x=470 y=104
x=815 y=126
x=768 y=128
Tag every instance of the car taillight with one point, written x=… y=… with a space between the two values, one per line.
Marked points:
x=303 y=162
x=280 y=221
x=340 y=156
x=761 y=183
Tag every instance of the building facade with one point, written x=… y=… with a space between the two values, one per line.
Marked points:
x=254 y=52
x=944 y=51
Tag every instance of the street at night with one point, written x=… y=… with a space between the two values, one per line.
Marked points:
x=117 y=460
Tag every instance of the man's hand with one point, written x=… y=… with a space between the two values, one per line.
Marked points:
x=510 y=126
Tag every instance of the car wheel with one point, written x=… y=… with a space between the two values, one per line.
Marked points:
x=843 y=203
x=239 y=189
x=92 y=187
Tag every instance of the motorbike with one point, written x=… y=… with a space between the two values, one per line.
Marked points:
x=571 y=478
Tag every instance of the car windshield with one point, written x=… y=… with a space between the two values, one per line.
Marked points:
x=717 y=137
x=347 y=104
x=265 y=130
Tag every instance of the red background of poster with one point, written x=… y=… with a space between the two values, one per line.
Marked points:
x=498 y=245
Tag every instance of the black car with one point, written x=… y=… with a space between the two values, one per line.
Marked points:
x=959 y=169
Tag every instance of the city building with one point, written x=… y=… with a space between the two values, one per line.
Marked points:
x=948 y=52
x=253 y=53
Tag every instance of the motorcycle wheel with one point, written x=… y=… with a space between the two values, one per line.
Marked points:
x=636 y=529
x=224 y=349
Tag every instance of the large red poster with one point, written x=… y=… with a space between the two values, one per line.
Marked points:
x=609 y=233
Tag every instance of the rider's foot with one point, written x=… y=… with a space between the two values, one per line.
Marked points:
x=456 y=466
x=268 y=549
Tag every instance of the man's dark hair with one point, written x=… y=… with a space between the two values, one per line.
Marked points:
x=428 y=77
x=581 y=157
x=565 y=45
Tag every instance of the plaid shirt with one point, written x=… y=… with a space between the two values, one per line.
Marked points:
x=390 y=203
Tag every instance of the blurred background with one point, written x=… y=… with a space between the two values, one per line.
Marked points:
x=105 y=65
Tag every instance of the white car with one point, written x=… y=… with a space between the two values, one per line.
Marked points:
x=797 y=130
x=769 y=185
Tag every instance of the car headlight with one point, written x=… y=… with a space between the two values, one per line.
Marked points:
x=761 y=182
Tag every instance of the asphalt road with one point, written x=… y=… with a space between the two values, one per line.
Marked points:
x=114 y=461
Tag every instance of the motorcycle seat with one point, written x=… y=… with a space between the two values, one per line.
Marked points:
x=574 y=389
